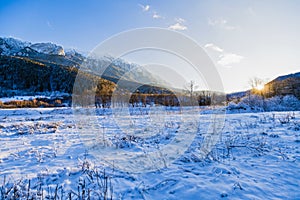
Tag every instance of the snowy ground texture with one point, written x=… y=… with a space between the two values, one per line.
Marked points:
x=45 y=155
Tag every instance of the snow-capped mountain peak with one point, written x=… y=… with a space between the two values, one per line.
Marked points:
x=12 y=46
x=48 y=48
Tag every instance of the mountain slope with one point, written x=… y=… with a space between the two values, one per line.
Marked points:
x=284 y=85
x=49 y=53
x=52 y=57
x=23 y=76
x=45 y=68
x=284 y=77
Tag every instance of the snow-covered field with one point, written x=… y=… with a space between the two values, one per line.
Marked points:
x=93 y=153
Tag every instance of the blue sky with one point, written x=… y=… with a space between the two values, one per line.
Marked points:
x=245 y=39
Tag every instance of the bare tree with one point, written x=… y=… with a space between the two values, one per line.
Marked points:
x=190 y=91
x=257 y=86
x=255 y=82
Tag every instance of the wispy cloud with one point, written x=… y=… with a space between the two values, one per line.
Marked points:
x=145 y=8
x=213 y=47
x=221 y=23
x=178 y=27
x=223 y=58
x=179 y=20
x=228 y=59
x=49 y=25
x=156 y=16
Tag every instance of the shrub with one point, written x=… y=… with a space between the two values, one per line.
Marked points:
x=258 y=103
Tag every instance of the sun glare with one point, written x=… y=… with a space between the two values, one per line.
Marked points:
x=260 y=87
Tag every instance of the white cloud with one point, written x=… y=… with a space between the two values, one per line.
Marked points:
x=145 y=8
x=213 y=47
x=178 y=27
x=179 y=20
x=223 y=58
x=227 y=59
x=156 y=16
x=221 y=23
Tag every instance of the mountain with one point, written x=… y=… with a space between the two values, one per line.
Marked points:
x=11 y=46
x=27 y=69
x=52 y=54
x=45 y=53
x=15 y=47
x=45 y=68
x=289 y=76
x=118 y=69
x=284 y=85
x=48 y=48
x=49 y=53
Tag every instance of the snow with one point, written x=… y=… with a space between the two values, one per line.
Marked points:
x=19 y=98
x=281 y=78
x=44 y=95
x=48 y=48
x=256 y=155
x=69 y=52
x=255 y=103
x=12 y=46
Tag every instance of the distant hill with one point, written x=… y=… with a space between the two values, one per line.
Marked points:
x=236 y=95
x=284 y=77
x=282 y=85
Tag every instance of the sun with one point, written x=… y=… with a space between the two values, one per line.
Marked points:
x=260 y=87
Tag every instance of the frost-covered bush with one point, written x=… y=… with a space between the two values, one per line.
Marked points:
x=274 y=104
x=291 y=102
x=286 y=103
x=238 y=106
x=231 y=106
x=249 y=103
x=257 y=103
